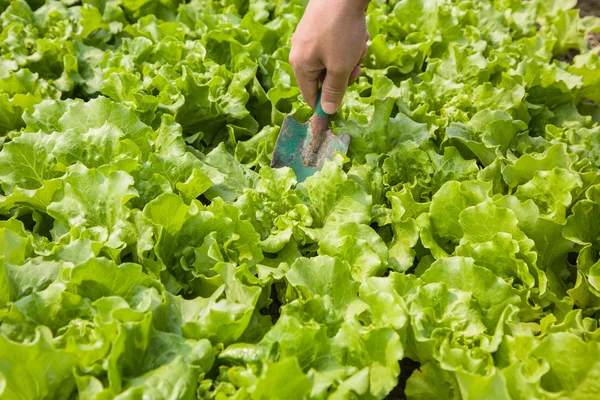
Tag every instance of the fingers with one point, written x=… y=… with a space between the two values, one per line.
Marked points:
x=356 y=71
x=364 y=53
x=333 y=66
x=352 y=78
x=333 y=93
x=308 y=80
x=334 y=87
x=309 y=87
x=354 y=75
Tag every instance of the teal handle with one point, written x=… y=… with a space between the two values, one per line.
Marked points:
x=318 y=110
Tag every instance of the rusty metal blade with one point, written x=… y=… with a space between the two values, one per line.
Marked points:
x=305 y=146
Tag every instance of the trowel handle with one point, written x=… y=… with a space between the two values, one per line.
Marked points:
x=319 y=113
x=319 y=125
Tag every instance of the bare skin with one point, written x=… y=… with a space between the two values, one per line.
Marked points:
x=328 y=46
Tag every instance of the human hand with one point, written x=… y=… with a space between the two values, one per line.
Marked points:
x=328 y=46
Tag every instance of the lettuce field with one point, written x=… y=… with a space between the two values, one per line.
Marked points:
x=148 y=251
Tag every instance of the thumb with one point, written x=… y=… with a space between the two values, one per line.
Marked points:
x=334 y=88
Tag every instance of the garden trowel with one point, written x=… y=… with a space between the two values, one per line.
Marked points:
x=304 y=147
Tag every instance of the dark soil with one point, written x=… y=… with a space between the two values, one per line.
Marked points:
x=589 y=7
x=407 y=367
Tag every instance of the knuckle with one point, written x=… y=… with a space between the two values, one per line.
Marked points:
x=298 y=40
x=332 y=91
x=340 y=69
x=295 y=59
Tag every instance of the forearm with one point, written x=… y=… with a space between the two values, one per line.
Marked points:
x=359 y=5
x=364 y=3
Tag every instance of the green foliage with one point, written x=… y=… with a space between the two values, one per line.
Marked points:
x=147 y=249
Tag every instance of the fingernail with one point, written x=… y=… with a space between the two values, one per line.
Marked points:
x=329 y=108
